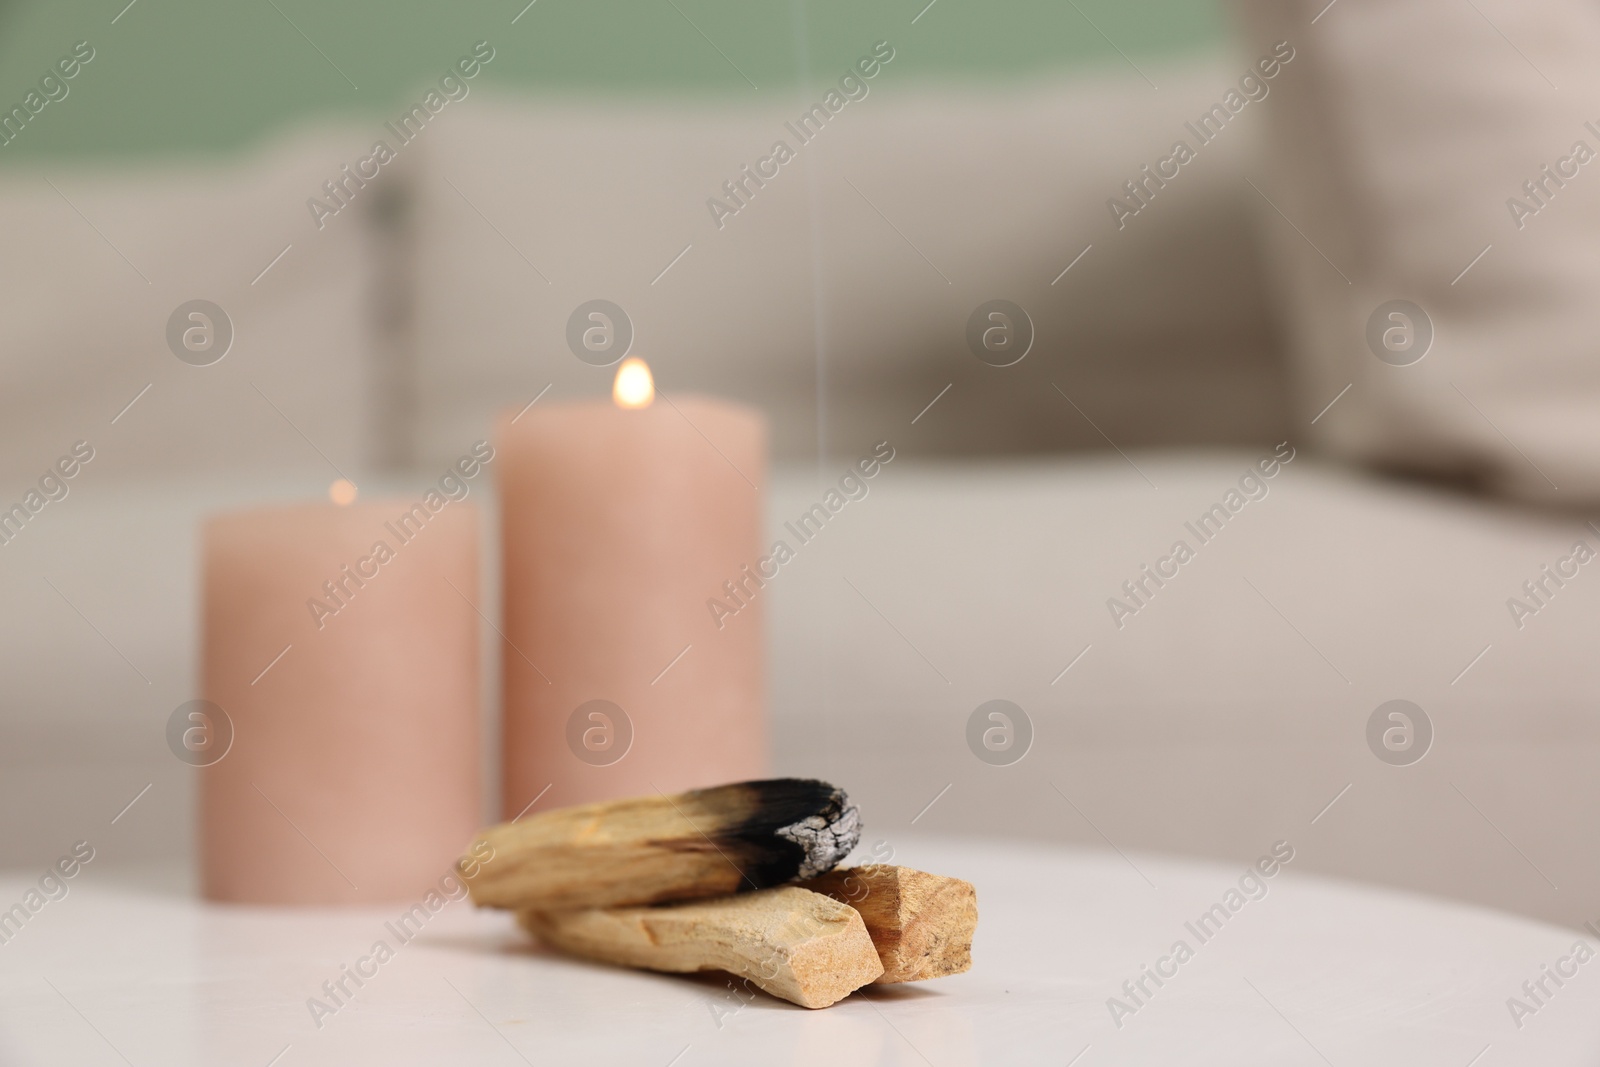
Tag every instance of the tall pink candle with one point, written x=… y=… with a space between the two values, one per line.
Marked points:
x=618 y=527
x=341 y=645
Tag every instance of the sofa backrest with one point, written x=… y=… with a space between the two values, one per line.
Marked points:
x=836 y=296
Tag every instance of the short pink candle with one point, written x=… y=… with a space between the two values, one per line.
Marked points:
x=619 y=527
x=341 y=645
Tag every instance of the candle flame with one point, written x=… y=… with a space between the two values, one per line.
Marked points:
x=634 y=387
x=342 y=492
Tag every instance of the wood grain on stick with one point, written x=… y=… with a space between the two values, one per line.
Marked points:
x=802 y=946
x=920 y=923
x=647 y=850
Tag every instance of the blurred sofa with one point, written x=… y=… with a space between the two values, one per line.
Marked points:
x=1227 y=713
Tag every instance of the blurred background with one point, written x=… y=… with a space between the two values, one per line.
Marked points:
x=1180 y=328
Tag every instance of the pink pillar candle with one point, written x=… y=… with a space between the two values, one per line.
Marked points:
x=619 y=527
x=342 y=647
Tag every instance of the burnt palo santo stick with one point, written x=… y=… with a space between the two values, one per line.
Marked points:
x=649 y=850
x=802 y=946
x=920 y=923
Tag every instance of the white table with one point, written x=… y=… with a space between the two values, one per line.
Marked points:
x=1316 y=972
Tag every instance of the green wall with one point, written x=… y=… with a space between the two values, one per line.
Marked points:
x=174 y=75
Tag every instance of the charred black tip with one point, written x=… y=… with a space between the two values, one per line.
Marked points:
x=796 y=828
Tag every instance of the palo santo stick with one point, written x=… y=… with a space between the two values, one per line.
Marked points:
x=704 y=843
x=793 y=943
x=920 y=923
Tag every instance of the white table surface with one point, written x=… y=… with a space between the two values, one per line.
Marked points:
x=128 y=970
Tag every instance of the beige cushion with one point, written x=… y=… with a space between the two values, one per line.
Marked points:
x=810 y=304
x=94 y=267
x=1232 y=708
x=1400 y=132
